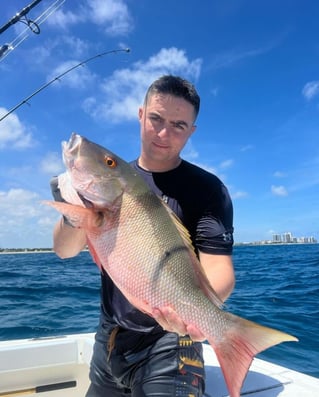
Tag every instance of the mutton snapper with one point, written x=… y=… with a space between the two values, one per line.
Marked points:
x=148 y=254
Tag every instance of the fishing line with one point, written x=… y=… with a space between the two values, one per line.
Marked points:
x=59 y=77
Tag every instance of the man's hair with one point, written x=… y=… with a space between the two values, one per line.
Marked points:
x=176 y=86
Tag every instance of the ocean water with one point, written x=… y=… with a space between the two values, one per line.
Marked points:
x=278 y=286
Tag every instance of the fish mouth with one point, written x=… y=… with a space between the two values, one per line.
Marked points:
x=87 y=203
x=71 y=148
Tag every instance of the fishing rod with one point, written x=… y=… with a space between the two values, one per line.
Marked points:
x=18 y=16
x=59 y=77
x=32 y=25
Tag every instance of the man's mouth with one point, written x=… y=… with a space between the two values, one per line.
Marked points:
x=160 y=145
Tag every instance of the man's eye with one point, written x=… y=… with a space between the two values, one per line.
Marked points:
x=179 y=126
x=154 y=118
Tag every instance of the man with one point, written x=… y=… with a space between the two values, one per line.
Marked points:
x=134 y=354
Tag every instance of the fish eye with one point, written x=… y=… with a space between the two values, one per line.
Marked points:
x=110 y=162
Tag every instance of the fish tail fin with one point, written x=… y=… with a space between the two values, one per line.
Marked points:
x=237 y=348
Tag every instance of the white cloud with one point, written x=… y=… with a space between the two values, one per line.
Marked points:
x=27 y=222
x=13 y=134
x=233 y=56
x=58 y=46
x=215 y=91
x=239 y=194
x=279 y=174
x=279 y=190
x=246 y=148
x=113 y=15
x=124 y=91
x=226 y=164
x=78 y=46
x=62 y=20
x=79 y=78
x=52 y=164
x=18 y=204
x=311 y=89
x=39 y=55
x=189 y=152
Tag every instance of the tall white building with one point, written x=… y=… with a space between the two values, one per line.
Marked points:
x=288 y=237
x=276 y=238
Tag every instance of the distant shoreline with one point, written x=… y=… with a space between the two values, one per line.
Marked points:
x=29 y=251
x=26 y=251
x=272 y=244
x=49 y=250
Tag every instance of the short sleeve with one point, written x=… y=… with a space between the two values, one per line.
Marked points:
x=214 y=232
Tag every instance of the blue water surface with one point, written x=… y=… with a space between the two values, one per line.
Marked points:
x=278 y=286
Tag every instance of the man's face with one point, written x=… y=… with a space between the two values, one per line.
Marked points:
x=166 y=124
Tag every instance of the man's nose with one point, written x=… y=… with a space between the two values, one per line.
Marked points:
x=164 y=131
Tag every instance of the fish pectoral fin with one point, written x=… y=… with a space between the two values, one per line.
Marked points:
x=81 y=217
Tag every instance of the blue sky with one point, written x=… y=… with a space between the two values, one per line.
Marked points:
x=255 y=65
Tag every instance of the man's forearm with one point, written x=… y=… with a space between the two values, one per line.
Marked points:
x=220 y=273
x=67 y=240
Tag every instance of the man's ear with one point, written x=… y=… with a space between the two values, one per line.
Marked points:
x=193 y=129
x=140 y=113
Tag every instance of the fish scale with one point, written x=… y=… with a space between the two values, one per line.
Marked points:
x=148 y=254
x=163 y=261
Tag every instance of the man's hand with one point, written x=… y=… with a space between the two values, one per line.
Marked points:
x=170 y=321
x=56 y=193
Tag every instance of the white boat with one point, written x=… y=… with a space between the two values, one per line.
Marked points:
x=58 y=366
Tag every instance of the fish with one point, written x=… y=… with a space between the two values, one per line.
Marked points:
x=135 y=237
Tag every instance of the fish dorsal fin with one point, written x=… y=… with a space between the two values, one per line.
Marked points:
x=200 y=276
x=184 y=233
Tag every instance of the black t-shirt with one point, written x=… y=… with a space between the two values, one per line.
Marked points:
x=203 y=204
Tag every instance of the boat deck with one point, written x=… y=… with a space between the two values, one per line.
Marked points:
x=56 y=367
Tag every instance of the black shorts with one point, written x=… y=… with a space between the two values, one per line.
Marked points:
x=146 y=364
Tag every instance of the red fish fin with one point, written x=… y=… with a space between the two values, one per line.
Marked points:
x=79 y=216
x=238 y=346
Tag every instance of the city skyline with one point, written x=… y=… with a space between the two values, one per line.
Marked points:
x=288 y=237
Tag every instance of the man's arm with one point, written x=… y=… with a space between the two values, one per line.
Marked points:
x=67 y=240
x=220 y=273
